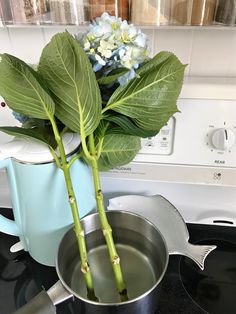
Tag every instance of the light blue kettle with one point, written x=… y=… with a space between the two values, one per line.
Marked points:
x=39 y=197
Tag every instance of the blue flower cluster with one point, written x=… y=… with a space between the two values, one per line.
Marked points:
x=20 y=117
x=112 y=43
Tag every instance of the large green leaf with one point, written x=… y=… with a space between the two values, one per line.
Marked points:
x=152 y=63
x=23 y=89
x=44 y=135
x=101 y=130
x=124 y=125
x=69 y=75
x=150 y=99
x=112 y=76
x=118 y=150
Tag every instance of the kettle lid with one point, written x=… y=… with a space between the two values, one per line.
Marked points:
x=32 y=151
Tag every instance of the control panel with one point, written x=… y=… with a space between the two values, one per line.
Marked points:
x=161 y=144
x=203 y=134
x=197 y=146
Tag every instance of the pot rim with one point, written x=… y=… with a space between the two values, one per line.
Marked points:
x=68 y=288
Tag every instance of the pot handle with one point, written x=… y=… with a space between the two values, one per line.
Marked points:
x=45 y=302
x=58 y=293
x=40 y=304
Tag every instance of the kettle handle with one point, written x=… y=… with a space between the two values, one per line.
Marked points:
x=7 y=225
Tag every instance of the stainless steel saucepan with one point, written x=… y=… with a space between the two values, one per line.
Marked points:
x=144 y=258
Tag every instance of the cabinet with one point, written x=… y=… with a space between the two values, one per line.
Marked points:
x=145 y=13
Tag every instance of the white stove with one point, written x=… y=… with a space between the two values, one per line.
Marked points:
x=192 y=161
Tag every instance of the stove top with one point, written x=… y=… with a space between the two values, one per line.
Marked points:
x=185 y=288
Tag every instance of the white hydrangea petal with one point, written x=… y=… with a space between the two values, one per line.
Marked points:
x=87 y=45
x=132 y=31
x=107 y=53
x=124 y=25
x=141 y=40
x=100 y=60
x=121 y=52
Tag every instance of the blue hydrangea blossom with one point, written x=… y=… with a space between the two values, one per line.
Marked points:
x=20 y=117
x=112 y=43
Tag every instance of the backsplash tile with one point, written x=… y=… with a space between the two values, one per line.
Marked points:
x=49 y=32
x=207 y=52
x=178 y=41
x=5 y=44
x=150 y=35
x=213 y=53
x=26 y=43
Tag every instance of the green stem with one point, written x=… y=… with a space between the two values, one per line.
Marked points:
x=71 y=161
x=65 y=129
x=75 y=213
x=99 y=149
x=107 y=231
x=55 y=157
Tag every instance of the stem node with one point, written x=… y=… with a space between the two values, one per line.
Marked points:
x=107 y=230
x=116 y=260
x=99 y=195
x=80 y=233
x=85 y=268
x=72 y=199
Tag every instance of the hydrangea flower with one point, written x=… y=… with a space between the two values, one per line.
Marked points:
x=20 y=117
x=112 y=43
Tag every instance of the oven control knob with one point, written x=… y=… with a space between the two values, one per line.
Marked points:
x=223 y=139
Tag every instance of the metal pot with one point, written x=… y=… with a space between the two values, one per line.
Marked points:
x=144 y=258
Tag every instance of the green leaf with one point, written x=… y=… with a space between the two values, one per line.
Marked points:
x=70 y=77
x=44 y=135
x=112 y=76
x=101 y=130
x=150 y=100
x=31 y=123
x=152 y=63
x=118 y=150
x=23 y=89
x=124 y=125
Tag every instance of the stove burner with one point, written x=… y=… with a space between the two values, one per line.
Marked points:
x=213 y=289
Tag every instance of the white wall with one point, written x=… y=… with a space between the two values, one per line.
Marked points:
x=209 y=52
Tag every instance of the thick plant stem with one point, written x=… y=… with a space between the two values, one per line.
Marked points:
x=80 y=236
x=107 y=230
x=77 y=224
